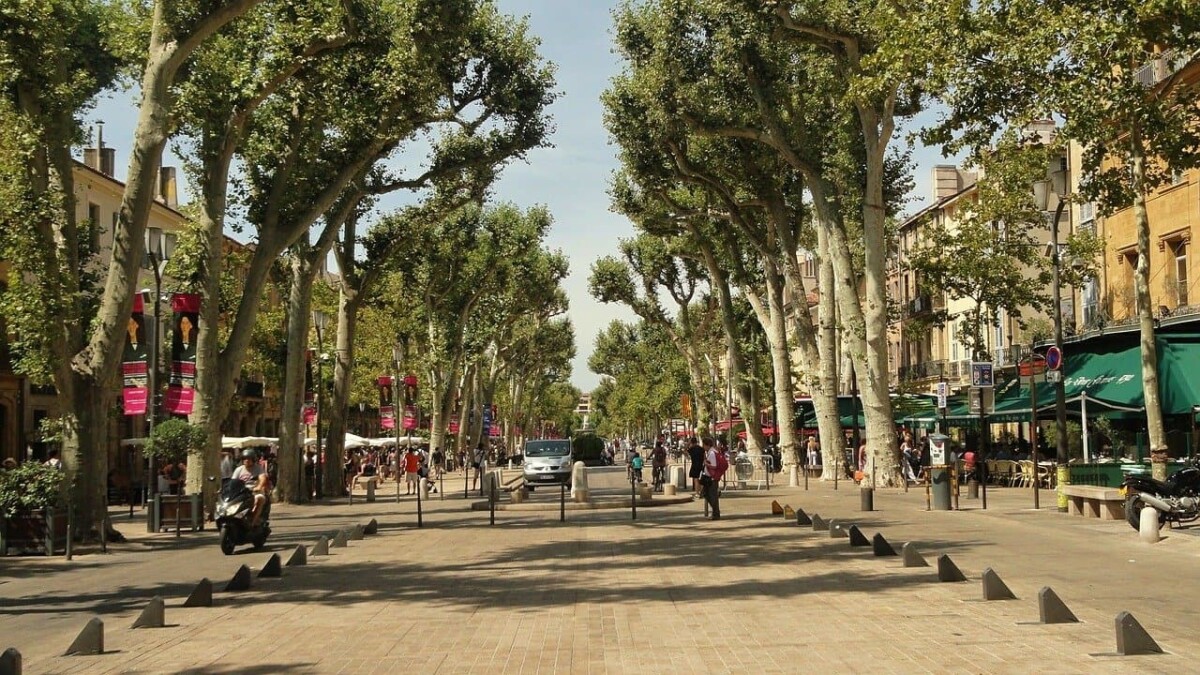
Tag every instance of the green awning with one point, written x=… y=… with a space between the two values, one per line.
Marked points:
x=1107 y=378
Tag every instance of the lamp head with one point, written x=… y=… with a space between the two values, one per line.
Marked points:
x=1041 y=194
x=320 y=319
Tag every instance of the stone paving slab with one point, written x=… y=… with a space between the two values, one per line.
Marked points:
x=669 y=593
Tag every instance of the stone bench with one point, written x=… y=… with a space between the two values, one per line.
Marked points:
x=370 y=482
x=1094 y=501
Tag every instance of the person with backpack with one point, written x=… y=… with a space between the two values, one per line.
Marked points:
x=715 y=466
x=635 y=466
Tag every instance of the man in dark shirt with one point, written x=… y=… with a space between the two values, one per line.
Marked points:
x=696 y=455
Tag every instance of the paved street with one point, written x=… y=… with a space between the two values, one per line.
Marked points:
x=601 y=594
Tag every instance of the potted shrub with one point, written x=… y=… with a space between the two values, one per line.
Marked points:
x=29 y=499
x=169 y=444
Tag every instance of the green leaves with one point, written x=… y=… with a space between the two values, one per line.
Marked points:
x=29 y=487
x=173 y=439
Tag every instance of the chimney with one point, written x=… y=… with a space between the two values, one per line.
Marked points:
x=166 y=186
x=108 y=160
x=945 y=181
x=100 y=158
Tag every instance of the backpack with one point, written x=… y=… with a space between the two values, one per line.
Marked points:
x=637 y=463
x=722 y=466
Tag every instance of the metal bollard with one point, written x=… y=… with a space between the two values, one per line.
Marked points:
x=633 y=496
x=972 y=489
x=420 y=486
x=492 y=505
x=866 y=498
x=562 y=504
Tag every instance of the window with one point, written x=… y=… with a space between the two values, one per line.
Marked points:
x=1087 y=217
x=1091 y=302
x=954 y=340
x=1179 y=248
x=94 y=213
x=810 y=266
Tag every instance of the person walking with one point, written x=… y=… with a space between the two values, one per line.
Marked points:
x=715 y=464
x=412 y=464
x=696 y=456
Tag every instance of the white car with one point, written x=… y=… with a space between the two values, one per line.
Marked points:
x=547 y=462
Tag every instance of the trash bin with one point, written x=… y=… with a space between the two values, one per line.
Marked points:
x=939 y=481
x=941 y=460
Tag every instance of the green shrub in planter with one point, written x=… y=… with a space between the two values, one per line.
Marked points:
x=172 y=440
x=29 y=487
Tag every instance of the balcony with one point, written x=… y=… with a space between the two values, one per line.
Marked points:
x=924 y=370
x=1160 y=68
x=920 y=305
x=1009 y=357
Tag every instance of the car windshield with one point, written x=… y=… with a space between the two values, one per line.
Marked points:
x=547 y=448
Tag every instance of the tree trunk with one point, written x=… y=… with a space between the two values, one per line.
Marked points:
x=781 y=364
x=1154 y=418
x=876 y=396
x=829 y=420
x=349 y=302
x=290 y=447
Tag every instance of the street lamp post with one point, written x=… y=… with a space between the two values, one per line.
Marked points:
x=320 y=321
x=397 y=359
x=157 y=258
x=1041 y=191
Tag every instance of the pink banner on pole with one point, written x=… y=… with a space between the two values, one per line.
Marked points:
x=135 y=370
x=181 y=386
x=454 y=424
x=410 y=418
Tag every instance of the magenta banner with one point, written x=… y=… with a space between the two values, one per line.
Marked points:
x=387 y=409
x=181 y=384
x=135 y=370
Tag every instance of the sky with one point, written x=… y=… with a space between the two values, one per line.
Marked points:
x=571 y=177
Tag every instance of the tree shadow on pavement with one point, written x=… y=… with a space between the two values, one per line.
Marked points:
x=265 y=669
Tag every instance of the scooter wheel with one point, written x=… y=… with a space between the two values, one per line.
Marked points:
x=227 y=542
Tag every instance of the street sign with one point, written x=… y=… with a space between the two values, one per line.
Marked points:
x=1054 y=358
x=981 y=374
x=942 y=388
x=981 y=400
x=1054 y=376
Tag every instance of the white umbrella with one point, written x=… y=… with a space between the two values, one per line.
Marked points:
x=353 y=441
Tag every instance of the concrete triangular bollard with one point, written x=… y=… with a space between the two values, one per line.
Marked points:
x=339 y=541
x=153 y=616
x=881 y=547
x=10 y=662
x=372 y=527
x=994 y=587
x=818 y=523
x=788 y=512
x=913 y=557
x=90 y=640
x=838 y=530
x=321 y=547
x=357 y=533
x=299 y=557
x=948 y=571
x=240 y=580
x=857 y=538
x=776 y=509
x=802 y=518
x=1132 y=639
x=201 y=595
x=1051 y=608
x=273 y=569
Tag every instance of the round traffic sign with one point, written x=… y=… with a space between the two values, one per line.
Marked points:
x=1054 y=358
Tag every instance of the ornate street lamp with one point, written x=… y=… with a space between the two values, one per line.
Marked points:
x=1041 y=194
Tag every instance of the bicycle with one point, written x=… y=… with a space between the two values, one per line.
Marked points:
x=660 y=477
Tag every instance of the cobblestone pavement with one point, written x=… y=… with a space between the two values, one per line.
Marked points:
x=668 y=593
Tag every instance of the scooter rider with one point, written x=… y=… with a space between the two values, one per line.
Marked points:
x=255 y=479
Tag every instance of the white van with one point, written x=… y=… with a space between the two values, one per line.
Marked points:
x=547 y=462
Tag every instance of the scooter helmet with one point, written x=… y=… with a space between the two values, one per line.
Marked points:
x=248 y=453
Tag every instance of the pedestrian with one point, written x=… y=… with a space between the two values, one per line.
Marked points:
x=715 y=465
x=478 y=461
x=53 y=460
x=696 y=456
x=227 y=465
x=412 y=464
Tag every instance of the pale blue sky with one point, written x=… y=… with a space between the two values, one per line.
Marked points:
x=571 y=178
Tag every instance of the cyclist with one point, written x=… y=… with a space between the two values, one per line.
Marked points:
x=635 y=465
x=658 y=461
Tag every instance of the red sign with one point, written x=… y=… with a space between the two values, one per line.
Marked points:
x=1054 y=358
x=453 y=426
x=410 y=417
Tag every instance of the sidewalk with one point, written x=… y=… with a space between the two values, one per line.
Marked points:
x=601 y=593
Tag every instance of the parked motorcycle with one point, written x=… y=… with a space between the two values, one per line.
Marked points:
x=1177 y=499
x=234 y=511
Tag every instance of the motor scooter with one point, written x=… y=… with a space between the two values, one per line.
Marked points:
x=235 y=513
